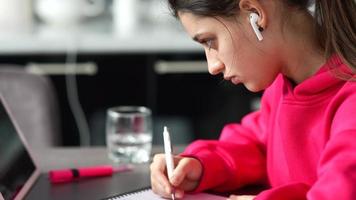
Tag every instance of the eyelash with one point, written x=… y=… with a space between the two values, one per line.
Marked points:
x=207 y=43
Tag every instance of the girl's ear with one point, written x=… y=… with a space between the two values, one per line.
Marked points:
x=249 y=6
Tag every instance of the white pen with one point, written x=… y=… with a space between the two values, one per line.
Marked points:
x=168 y=155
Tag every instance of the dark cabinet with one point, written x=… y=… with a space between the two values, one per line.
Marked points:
x=194 y=104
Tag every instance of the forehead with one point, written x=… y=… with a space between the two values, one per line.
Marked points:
x=195 y=23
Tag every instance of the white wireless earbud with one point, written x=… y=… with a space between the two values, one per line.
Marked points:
x=253 y=21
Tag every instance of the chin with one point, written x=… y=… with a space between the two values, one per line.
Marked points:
x=254 y=87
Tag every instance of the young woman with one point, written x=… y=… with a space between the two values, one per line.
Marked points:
x=302 y=142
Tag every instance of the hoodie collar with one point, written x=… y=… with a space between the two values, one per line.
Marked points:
x=331 y=74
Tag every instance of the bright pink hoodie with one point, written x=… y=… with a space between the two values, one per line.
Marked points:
x=302 y=142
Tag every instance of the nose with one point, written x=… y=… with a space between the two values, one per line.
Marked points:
x=215 y=65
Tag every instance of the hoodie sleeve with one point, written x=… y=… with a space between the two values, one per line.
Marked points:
x=237 y=158
x=336 y=171
x=336 y=174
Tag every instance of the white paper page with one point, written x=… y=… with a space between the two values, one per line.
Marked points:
x=149 y=195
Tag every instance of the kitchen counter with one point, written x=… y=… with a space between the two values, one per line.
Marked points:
x=97 y=36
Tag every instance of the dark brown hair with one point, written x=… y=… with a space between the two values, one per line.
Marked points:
x=335 y=21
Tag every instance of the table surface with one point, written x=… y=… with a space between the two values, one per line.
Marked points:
x=95 y=188
x=64 y=157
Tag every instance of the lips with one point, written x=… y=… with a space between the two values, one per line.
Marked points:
x=233 y=79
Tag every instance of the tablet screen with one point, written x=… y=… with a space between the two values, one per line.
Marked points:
x=16 y=165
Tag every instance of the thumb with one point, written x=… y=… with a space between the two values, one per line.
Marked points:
x=179 y=173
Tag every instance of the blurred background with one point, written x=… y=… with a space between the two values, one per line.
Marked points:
x=102 y=53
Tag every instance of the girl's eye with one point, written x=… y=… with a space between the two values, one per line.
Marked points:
x=208 y=43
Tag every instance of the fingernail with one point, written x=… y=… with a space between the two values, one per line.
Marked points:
x=179 y=194
x=168 y=190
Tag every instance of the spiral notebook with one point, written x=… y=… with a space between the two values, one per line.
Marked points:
x=147 y=194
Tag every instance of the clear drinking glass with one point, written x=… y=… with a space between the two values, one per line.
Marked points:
x=129 y=134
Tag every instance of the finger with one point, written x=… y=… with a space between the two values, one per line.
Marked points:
x=159 y=181
x=179 y=172
x=179 y=193
x=159 y=162
x=188 y=185
x=158 y=188
x=158 y=169
x=246 y=197
x=241 y=197
x=233 y=197
x=158 y=176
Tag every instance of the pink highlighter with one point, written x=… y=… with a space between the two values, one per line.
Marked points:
x=68 y=175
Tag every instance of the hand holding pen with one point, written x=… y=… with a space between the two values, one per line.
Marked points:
x=185 y=176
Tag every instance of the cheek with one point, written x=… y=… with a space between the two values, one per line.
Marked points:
x=256 y=68
x=261 y=74
x=243 y=50
x=249 y=61
x=231 y=55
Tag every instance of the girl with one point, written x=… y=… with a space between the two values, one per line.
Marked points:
x=302 y=142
